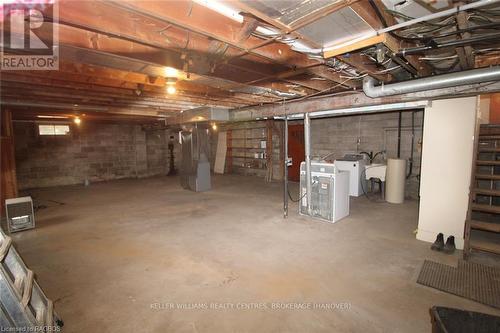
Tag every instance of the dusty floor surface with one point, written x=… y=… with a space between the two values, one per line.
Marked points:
x=148 y=256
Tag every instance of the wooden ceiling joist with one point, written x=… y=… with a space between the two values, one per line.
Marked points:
x=367 y=13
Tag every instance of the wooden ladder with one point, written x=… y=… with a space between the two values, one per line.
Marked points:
x=484 y=198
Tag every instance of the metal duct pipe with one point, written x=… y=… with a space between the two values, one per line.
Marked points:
x=307 y=143
x=433 y=82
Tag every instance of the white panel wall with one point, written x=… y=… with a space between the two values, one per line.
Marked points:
x=446 y=168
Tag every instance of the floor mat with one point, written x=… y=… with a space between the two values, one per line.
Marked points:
x=470 y=280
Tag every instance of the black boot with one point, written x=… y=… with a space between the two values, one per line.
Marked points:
x=438 y=244
x=449 y=248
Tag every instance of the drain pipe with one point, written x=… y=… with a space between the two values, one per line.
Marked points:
x=307 y=144
x=432 y=82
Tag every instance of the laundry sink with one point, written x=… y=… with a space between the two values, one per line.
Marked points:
x=375 y=170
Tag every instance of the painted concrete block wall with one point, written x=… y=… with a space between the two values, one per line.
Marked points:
x=375 y=132
x=93 y=151
x=446 y=168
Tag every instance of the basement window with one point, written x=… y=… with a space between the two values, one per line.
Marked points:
x=53 y=129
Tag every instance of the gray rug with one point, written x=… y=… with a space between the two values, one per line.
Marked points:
x=470 y=280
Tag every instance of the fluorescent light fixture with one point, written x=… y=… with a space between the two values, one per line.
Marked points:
x=221 y=8
x=51 y=117
x=234 y=14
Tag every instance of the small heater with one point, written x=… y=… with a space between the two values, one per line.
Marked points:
x=20 y=215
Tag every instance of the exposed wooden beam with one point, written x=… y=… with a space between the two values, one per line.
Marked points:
x=466 y=53
x=203 y=21
x=80 y=84
x=352 y=100
x=30 y=114
x=83 y=73
x=364 y=65
x=153 y=57
x=366 y=12
x=112 y=110
x=323 y=71
x=385 y=39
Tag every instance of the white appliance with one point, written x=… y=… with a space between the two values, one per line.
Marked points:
x=330 y=192
x=355 y=165
x=20 y=214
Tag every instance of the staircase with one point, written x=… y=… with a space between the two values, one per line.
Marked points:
x=482 y=227
x=23 y=305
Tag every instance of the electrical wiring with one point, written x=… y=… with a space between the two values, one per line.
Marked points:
x=353 y=77
x=447 y=68
x=442 y=58
x=438 y=58
x=388 y=70
x=491 y=12
x=290 y=196
x=409 y=18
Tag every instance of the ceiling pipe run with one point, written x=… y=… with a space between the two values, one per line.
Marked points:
x=481 y=75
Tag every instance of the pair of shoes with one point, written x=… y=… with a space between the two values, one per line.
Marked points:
x=439 y=244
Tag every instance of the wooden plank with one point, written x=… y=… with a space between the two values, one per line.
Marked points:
x=382 y=38
x=489 y=137
x=486 y=226
x=486 y=176
x=8 y=178
x=220 y=155
x=485 y=162
x=489 y=150
x=485 y=246
x=488 y=192
x=466 y=53
x=486 y=208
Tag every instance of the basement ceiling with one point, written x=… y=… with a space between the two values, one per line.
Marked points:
x=289 y=11
x=335 y=28
x=223 y=59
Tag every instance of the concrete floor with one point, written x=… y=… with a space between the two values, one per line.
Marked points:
x=121 y=256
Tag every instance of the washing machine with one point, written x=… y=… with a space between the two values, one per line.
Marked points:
x=355 y=165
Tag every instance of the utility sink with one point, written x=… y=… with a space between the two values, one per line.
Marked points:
x=375 y=170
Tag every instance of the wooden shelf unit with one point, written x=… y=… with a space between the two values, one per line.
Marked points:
x=241 y=145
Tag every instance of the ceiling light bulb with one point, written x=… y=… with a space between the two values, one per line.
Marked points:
x=171 y=72
x=171 y=90
x=214 y=127
x=77 y=120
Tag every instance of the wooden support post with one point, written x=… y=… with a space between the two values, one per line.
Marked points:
x=8 y=180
